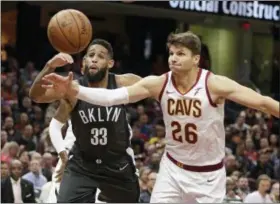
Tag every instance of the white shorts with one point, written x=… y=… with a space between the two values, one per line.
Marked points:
x=177 y=185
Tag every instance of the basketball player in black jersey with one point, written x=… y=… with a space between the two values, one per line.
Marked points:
x=100 y=156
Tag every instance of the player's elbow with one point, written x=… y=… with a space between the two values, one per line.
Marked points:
x=268 y=105
x=34 y=96
x=263 y=103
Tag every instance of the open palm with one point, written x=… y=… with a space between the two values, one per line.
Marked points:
x=58 y=83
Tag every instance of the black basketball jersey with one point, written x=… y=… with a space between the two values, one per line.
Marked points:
x=101 y=132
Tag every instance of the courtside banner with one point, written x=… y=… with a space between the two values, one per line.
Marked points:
x=258 y=10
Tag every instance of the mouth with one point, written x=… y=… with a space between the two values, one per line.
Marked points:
x=93 y=68
x=172 y=66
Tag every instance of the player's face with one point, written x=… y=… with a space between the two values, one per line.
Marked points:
x=96 y=63
x=181 y=58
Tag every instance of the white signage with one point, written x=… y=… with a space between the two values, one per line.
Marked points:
x=234 y=8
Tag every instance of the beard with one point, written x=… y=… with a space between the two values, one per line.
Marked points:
x=97 y=77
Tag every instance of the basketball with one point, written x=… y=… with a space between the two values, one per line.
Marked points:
x=69 y=31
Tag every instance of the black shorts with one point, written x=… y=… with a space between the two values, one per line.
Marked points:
x=116 y=180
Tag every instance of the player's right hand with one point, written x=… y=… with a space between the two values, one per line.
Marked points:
x=60 y=60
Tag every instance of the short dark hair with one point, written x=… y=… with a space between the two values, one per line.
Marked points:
x=187 y=39
x=103 y=43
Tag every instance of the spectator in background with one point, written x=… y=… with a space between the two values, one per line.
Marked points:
x=240 y=124
x=36 y=177
x=243 y=188
x=23 y=121
x=251 y=117
x=10 y=151
x=276 y=161
x=231 y=164
x=143 y=178
x=4 y=170
x=27 y=107
x=264 y=143
x=26 y=140
x=261 y=195
x=15 y=189
x=47 y=169
x=4 y=138
x=250 y=151
x=274 y=143
x=145 y=195
x=275 y=193
x=263 y=166
x=142 y=123
x=25 y=160
x=8 y=126
x=231 y=195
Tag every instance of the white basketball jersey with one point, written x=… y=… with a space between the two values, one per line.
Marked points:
x=194 y=124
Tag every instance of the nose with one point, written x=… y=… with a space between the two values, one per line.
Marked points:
x=94 y=59
x=173 y=59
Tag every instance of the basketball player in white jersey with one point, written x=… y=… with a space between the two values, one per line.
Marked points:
x=192 y=100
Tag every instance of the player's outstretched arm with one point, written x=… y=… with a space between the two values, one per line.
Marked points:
x=105 y=97
x=224 y=87
x=147 y=87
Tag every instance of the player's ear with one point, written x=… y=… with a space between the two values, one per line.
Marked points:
x=111 y=63
x=196 y=59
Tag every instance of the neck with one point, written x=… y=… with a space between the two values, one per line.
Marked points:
x=186 y=80
x=101 y=84
x=262 y=193
x=15 y=178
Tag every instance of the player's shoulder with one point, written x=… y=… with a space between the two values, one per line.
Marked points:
x=130 y=79
x=156 y=78
x=127 y=79
x=216 y=82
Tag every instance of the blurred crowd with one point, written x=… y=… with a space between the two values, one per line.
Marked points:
x=252 y=143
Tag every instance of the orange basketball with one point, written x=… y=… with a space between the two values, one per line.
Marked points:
x=69 y=31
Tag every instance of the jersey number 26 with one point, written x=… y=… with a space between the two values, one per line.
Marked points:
x=99 y=136
x=189 y=130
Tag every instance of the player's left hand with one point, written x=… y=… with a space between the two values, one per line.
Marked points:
x=59 y=83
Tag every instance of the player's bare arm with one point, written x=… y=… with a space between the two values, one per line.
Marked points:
x=127 y=79
x=223 y=87
x=41 y=95
x=147 y=87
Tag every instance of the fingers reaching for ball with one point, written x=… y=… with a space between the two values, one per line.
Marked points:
x=66 y=57
x=57 y=82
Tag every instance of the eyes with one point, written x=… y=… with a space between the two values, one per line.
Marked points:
x=177 y=53
x=99 y=55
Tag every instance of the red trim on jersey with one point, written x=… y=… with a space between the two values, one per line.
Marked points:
x=207 y=168
x=197 y=79
x=163 y=87
x=207 y=91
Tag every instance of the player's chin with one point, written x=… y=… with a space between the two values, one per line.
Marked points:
x=176 y=69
